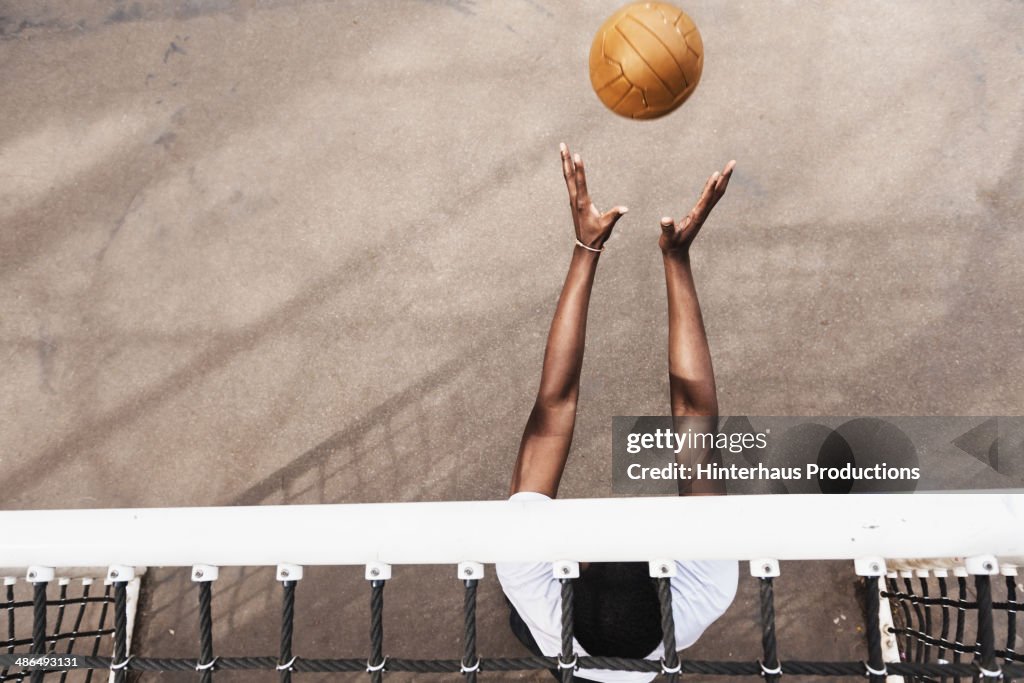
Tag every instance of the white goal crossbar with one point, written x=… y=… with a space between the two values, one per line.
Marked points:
x=782 y=527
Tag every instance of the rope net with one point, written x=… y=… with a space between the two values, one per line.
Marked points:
x=57 y=617
x=921 y=624
x=952 y=617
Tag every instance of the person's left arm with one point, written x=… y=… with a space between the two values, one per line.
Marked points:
x=694 y=400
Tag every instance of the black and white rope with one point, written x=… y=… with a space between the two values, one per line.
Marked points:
x=670 y=665
x=377 y=662
x=470 y=659
x=286 y=660
x=120 y=661
x=568 y=662
x=770 y=668
x=919 y=603
x=206 y=659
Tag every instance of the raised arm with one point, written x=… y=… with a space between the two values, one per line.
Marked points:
x=691 y=377
x=548 y=434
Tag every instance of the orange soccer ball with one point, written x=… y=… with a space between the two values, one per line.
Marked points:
x=646 y=60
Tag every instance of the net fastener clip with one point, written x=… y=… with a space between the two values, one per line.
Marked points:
x=205 y=573
x=208 y=666
x=469 y=669
x=289 y=572
x=764 y=568
x=378 y=571
x=120 y=573
x=661 y=569
x=566 y=569
x=471 y=570
x=876 y=672
x=287 y=666
x=998 y=673
x=568 y=665
x=666 y=669
x=37 y=574
x=370 y=668
x=122 y=665
x=869 y=566
x=982 y=564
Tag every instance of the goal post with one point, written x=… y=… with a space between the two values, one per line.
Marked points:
x=790 y=527
x=937 y=573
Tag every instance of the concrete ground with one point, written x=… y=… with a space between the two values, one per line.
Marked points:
x=284 y=252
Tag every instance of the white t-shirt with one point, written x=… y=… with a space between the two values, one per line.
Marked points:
x=701 y=592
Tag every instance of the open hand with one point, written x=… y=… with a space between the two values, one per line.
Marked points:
x=593 y=228
x=677 y=236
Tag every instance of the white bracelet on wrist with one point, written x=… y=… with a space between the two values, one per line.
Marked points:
x=580 y=244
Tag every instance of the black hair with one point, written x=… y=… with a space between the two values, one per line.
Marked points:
x=616 y=612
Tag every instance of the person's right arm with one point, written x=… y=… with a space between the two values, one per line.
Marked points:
x=544 y=448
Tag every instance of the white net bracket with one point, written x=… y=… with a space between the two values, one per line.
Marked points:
x=471 y=570
x=662 y=569
x=39 y=574
x=982 y=564
x=566 y=569
x=289 y=572
x=764 y=568
x=869 y=566
x=204 y=573
x=378 y=571
x=120 y=573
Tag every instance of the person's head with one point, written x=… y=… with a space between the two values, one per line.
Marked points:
x=616 y=612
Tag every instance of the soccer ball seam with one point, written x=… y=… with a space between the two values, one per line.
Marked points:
x=643 y=59
x=609 y=60
x=682 y=71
